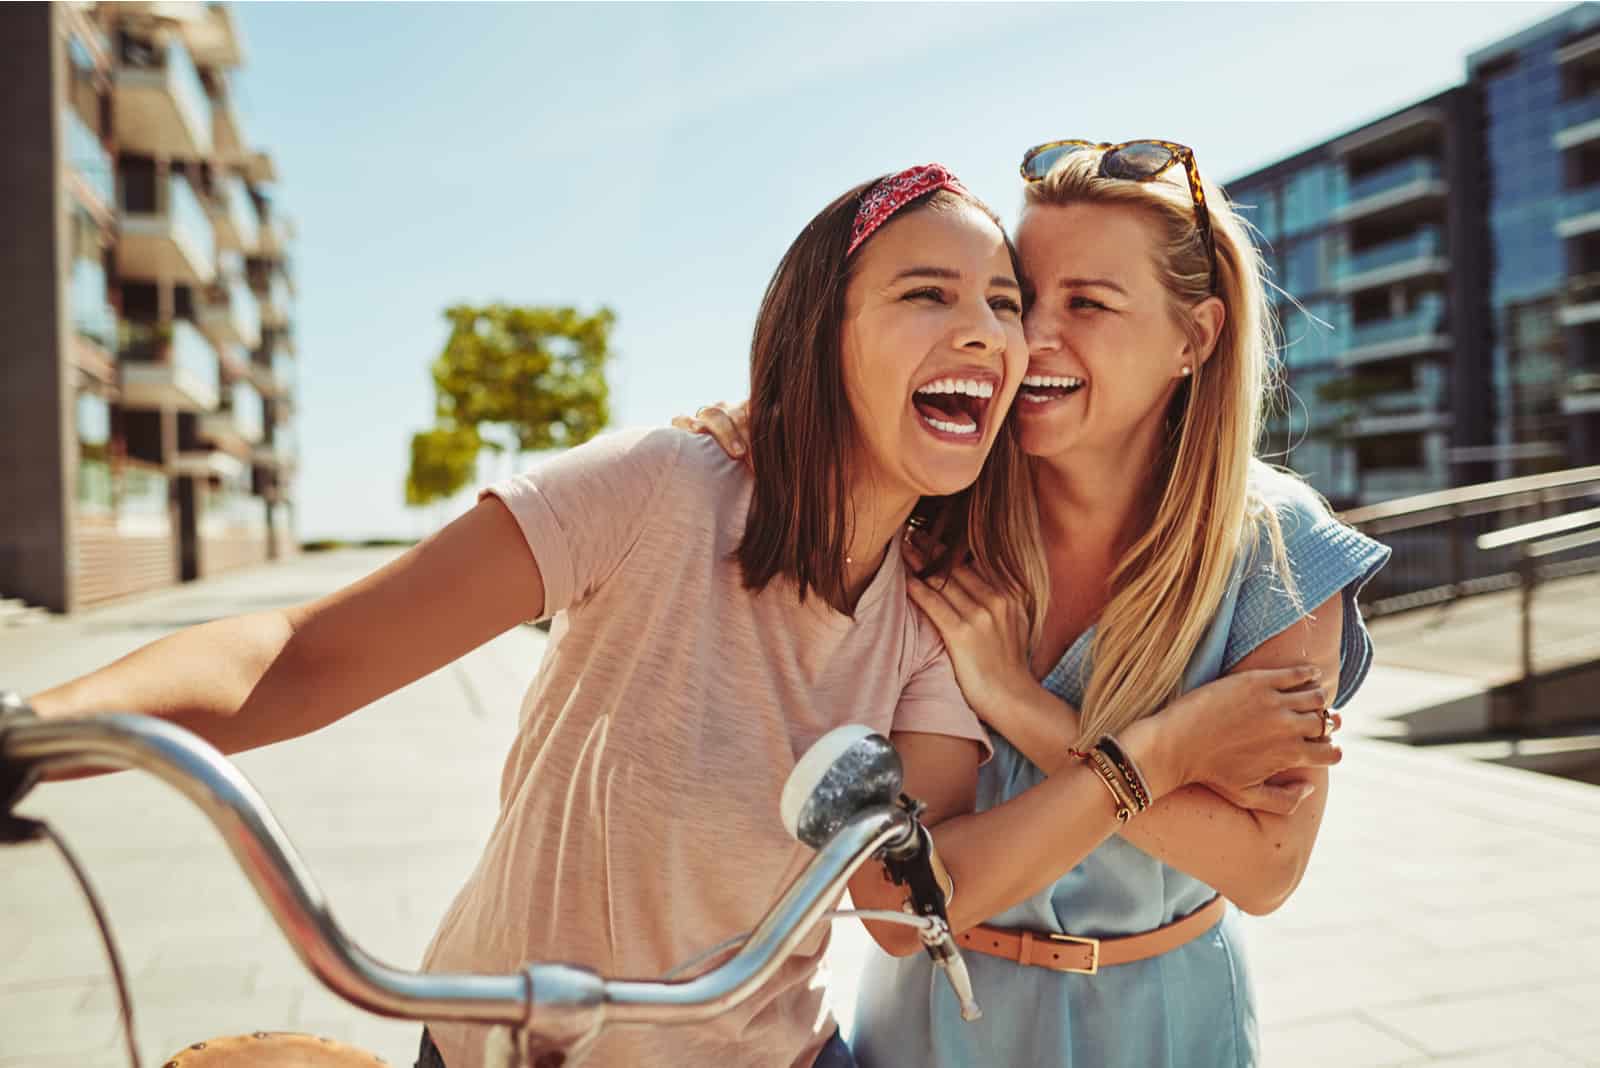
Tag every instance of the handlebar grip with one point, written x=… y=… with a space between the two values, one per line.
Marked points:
x=16 y=777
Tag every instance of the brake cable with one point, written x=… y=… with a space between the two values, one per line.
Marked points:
x=18 y=829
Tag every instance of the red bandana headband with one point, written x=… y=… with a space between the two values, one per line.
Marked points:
x=894 y=193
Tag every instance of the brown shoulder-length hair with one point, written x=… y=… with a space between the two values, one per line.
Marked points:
x=803 y=435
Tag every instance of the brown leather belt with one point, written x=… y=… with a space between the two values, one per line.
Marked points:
x=1086 y=956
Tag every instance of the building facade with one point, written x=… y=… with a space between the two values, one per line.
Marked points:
x=146 y=420
x=1435 y=273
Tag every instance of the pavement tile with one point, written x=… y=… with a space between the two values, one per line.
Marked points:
x=1524 y=1055
x=41 y=1023
x=1347 y=1041
x=1471 y=1024
x=1582 y=1048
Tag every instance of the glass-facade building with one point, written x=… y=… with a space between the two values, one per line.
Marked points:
x=1440 y=278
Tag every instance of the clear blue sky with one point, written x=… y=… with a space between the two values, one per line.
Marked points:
x=659 y=158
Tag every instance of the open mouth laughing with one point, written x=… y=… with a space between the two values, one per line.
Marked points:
x=953 y=407
x=1042 y=389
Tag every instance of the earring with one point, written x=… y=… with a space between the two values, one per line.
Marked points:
x=1186 y=371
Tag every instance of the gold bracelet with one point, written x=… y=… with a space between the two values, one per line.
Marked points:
x=1131 y=775
x=1103 y=768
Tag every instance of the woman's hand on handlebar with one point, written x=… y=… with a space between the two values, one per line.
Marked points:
x=728 y=423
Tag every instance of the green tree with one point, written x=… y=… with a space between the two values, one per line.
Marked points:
x=512 y=379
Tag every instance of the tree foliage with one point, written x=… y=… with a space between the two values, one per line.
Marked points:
x=510 y=378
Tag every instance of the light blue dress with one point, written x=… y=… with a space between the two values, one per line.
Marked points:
x=1193 y=1007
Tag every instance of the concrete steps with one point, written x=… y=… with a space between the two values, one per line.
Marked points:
x=15 y=612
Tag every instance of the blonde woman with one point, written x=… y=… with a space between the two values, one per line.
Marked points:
x=1175 y=558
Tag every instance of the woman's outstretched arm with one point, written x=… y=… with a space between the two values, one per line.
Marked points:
x=254 y=679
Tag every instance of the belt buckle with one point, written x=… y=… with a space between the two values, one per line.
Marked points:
x=1094 y=952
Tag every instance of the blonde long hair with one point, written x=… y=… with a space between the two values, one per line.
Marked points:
x=1168 y=585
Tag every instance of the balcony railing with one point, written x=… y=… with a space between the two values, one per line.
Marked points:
x=92 y=317
x=189 y=219
x=189 y=89
x=1423 y=401
x=1426 y=243
x=1579 y=212
x=246 y=405
x=246 y=311
x=168 y=364
x=243 y=213
x=1423 y=322
x=88 y=156
x=1574 y=113
x=1582 y=289
x=1394 y=176
x=193 y=354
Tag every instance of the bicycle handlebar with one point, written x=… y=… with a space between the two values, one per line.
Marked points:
x=563 y=1002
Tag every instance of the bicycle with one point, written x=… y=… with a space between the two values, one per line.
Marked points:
x=843 y=799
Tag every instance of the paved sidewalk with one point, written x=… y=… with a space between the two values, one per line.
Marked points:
x=1447 y=917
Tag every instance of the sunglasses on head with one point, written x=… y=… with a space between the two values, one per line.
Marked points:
x=1134 y=161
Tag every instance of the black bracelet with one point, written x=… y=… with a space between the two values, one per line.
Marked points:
x=1130 y=771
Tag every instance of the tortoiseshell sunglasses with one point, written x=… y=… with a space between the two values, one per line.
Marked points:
x=1135 y=161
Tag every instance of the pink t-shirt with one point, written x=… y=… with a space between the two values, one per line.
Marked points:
x=638 y=818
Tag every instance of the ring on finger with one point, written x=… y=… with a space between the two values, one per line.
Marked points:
x=1327 y=725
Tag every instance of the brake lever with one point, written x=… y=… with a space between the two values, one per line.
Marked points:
x=912 y=865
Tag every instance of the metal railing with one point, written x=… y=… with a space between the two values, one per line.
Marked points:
x=1394 y=176
x=1442 y=545
x=1576 y=112
x=1425 y=242
x=1422 y=322
x=1535 y=543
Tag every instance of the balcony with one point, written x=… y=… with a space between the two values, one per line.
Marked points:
x=171 y=366
x=172 y=242
x=209 y=463
x=1579 y=213
x=1580 y=394
x=159 y=103
x=88 y=160
x=1576 y=121
x=233 y=214
x=1398 y=132
x=213 y=38
x=237 y=426
x=273 y=375
x=1401 y=412
x=1418 y=332
x=1580 y=302
x=1419 y=255
x=271 y=238
x=281 y=451
x=1408 y=183
x=228 y=314
x=276 y=301
x=92 y=316
x=227 y=133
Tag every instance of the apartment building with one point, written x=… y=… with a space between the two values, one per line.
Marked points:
x=146 y=419
x=1436 y=277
